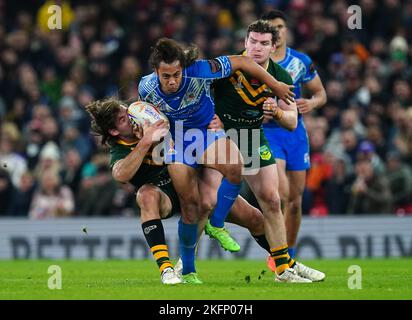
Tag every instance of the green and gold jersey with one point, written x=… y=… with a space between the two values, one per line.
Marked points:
x=149 y=171
x=239 y=98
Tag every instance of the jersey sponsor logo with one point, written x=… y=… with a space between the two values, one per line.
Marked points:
x=296 y=69
x=255 y=82
x=215 y=65
x=265 y=153
x=250 y=113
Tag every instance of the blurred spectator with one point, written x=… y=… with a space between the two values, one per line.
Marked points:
x=51 y=199
x=403 y=137
x=349 y=122
x=7 y=191
x=97 y=188
x=21 y=200
x=10 y=159
x=338 y=188
x=314 y=200
x=371 y=193
x=366 y=151
x=49 y=159
x=72 y=170
x=399 y=176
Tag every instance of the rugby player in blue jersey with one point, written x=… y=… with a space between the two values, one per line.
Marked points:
x=180 y=87
x=291 y=148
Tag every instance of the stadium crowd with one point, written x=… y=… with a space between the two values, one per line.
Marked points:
x=51 y=166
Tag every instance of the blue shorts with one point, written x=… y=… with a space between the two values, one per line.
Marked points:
x=291 y=146
x=188 y=147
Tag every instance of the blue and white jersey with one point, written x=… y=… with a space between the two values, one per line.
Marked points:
x=192 y=103
x=301 y=69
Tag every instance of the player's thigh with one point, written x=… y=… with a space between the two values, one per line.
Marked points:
x=265 y=184
x=297 y=181
x=166 y=205
x=185 y=182
x=283 y=179
x=223 y=155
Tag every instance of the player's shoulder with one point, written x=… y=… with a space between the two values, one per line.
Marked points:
x=148 y=83
x=279 y=72
x=300 y=55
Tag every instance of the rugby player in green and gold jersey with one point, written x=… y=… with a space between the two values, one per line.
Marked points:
x=242 y=102
x=132 y=161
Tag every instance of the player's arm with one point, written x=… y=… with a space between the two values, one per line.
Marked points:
x=247 y=65
x=285 y=114
x=124 y=169
x=318 y=98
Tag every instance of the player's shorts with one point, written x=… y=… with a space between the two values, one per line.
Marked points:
x=254 y=147
x=164 y=183
x=188 y=147
x=291 y=146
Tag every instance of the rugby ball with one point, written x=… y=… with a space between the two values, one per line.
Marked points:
x=140 y=111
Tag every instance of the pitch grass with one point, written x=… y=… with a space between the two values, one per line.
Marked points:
x=240 y=279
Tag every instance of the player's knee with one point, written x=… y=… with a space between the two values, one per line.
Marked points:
x=295 y=204
x=271 y=200
x=148 y=198
x=284 y=195
x=234 y=173
x=206 y=206
x=256 y=223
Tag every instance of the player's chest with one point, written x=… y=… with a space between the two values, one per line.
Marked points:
x=296 y=69
x=190 y=94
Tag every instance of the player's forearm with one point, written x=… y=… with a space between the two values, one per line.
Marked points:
x=124 y=170
x=250 y=67
x=319 y=98
x=287 y=119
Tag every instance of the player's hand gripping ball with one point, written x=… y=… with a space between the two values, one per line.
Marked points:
x=140 y=111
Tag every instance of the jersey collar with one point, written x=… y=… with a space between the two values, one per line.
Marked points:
x=125 y=143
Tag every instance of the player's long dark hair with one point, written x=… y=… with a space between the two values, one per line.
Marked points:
x=103 y=115
x=169 y=51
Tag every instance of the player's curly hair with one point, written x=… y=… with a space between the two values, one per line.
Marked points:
x=263 y=26
x=168 y=51
x=103 y=115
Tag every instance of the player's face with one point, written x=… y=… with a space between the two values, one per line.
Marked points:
x=124 y=127
x=259 y=47
x=280 y=25
x=170 y=76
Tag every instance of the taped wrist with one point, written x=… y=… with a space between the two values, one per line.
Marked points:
x=277 y=114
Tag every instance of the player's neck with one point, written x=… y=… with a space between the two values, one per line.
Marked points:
x=127 y=140
x=265 y=64
x=279 y=54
